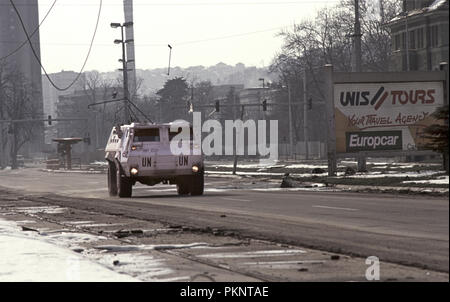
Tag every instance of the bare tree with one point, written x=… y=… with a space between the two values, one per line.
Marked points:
x=18 y=106
x=3 y=132
x=327 y=39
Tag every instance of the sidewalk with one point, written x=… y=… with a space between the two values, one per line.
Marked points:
x=27 y=259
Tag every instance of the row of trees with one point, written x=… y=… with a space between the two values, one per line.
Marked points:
x=177 y=95
x=328 y=39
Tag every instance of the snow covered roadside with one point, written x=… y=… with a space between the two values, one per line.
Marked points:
x=339 y=174
x=440 y=180
x=26 y=258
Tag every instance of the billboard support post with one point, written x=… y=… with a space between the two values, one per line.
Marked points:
x=362 y=163
x=331 y=132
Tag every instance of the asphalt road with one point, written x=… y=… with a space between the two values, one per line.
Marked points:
x=409 y=230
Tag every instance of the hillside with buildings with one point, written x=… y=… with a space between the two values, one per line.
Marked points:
x=220 y=74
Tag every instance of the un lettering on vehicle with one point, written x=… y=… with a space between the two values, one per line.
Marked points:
x=183 y=161
x=146 y=162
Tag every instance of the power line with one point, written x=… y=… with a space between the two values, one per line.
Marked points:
x=32 y=34
x=38 y=59
x=229 y=36
x=175 y=44
x=225 y=3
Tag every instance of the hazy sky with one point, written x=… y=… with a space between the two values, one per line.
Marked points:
x=202 y=32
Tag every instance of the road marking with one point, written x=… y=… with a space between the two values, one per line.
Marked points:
x=335 y=208
x=235 y=199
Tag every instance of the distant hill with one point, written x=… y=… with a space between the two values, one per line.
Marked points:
x=219 y=74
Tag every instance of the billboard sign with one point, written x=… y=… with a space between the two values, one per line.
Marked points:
x=373 y=140
x=384 y=116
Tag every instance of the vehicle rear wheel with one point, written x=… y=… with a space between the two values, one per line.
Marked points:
x=124 y=185
x=197 y=184
x=112 y=182
x=182 y=187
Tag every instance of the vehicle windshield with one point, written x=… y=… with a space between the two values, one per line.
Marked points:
x=172 y=134
x=146 y=135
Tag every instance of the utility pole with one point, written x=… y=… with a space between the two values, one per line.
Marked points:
x=126 y=98
x=236 y=146
x=129 y=35
x=356 y=67
x=305 y=116
x=331 y=127
x=291 y=143
x=407 y=42
x=126 y=112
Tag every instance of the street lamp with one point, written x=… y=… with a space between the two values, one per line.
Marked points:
x=262 y=79
x=170 y=57
x=124 y=65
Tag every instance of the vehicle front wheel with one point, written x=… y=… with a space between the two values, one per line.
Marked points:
x=124 y=185
x=182 y=187
x=112 y=182
x=197 y=184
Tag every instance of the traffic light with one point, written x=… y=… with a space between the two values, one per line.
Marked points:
x=49 y=120
x=264 y=105
x=217 y=106
x=87 y=139
x=309 y=104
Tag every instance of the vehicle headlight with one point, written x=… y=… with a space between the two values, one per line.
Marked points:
x=195 y=169
x=134 y=171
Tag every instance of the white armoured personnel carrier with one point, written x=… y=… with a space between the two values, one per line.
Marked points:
x=141 y=152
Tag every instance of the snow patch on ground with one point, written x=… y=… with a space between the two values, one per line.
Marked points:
x=440 y=180
x=68 y=239
x=130 y=248
x=245 y=166
x=91 y=171
x=305 y=166
x=25 y=257
x=99 y=163
x=395 y=174
x=321 y=189
x=143 y=266
x=373 y=174
x=45 y=210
